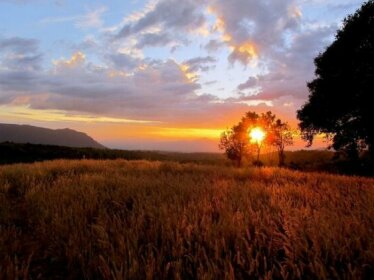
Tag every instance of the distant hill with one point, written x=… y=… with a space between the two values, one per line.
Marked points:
x=38 y=135
x=17 y=153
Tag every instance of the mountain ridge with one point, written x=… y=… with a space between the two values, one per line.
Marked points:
x=39 y=135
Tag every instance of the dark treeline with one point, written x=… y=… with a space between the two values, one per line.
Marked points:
x=316 y=160
x=329 y=161
x=27 y=153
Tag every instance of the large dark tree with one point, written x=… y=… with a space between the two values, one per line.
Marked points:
x=341 y=96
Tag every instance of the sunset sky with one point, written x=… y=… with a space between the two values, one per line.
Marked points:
x=167 y=74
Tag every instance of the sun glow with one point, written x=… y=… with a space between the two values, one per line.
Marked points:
x=257 y=135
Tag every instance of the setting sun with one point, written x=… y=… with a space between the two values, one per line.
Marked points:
x=257 y=135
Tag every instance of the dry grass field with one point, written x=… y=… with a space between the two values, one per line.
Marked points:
x=154 y=220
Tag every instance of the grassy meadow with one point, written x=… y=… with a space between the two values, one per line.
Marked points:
x=119 y=219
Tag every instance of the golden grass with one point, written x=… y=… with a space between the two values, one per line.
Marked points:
x=154 y=220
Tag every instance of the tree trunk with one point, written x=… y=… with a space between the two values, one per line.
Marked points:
x=281 y=158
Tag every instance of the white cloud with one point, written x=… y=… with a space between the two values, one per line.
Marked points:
x=91 y=19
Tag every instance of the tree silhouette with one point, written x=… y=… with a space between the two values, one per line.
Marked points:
x=234 y=147
x=282 y=137
x=235 y=141
x=340 y=100
x=279 y=134
x=237 y=144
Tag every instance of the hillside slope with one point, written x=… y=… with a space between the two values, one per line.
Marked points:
x=38 y=135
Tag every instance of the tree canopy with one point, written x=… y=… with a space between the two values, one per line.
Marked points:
x=237 y=144
x=340 y=101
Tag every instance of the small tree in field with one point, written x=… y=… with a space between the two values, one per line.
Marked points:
x=282 y=137
x=235 y=141
x=279 y=134
x=233 y=146
x=241 y=141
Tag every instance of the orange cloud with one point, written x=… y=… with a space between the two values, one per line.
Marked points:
x=77 y=58
x=295 y=12
x=244 y=52
x=191 y=76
